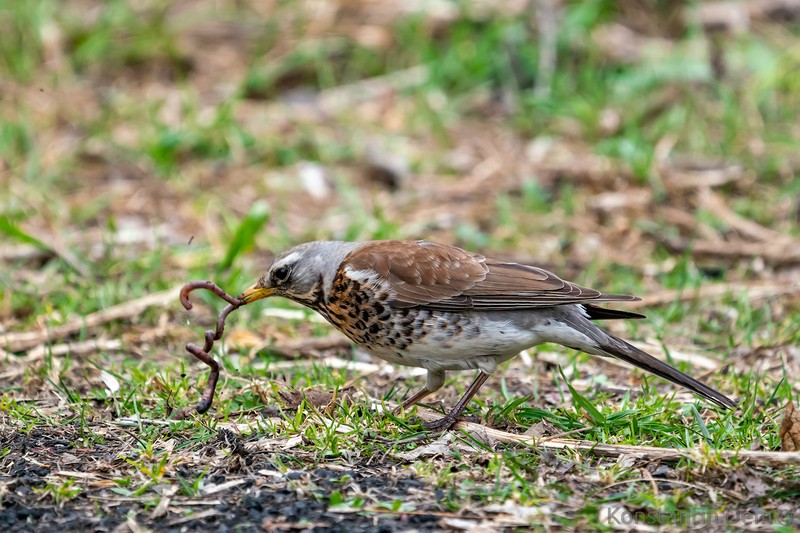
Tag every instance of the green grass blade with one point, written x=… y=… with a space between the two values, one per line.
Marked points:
x=583 y=403
x=245 y=235
x=10 y=229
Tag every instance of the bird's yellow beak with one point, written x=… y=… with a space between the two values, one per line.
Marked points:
x=256 y=293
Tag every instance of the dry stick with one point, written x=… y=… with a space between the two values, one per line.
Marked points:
x=23 y=252
x=618 y=450
x=546 y=15
x=755 y=291
x=57 y=350
x=56 y=244
x=716 y=204
x=682 y=179
x=344 y=97
x=73 y=348
x=211 y=335
x=19 y=341
x=773 y=253
x=295 y=349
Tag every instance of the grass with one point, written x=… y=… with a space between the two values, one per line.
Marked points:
x=157 y=148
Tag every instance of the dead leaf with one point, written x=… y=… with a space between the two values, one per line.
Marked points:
x=293 y=399
x=316 y=398
x=790 y=429
x=292 y=442
x=541 y=429
x=750 y=481
x=110 y=381
x=439 y=447
x=163 y=504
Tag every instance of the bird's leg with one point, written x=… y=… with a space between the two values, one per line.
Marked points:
x=433 y=382
x=412 y=400
x=449 y=419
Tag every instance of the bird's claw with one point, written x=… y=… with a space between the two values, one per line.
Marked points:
x=440 y=425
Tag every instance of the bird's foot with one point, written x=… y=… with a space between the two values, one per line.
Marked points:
x=441 y=425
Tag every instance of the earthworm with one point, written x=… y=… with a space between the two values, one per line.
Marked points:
x=204 y=353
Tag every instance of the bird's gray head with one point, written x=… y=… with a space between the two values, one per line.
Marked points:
x=303 y=273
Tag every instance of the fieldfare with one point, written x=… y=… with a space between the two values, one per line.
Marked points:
x=438 y=307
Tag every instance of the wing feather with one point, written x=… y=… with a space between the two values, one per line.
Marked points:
x=435 y=276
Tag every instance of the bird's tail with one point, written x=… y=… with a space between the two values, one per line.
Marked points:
x=609 y=345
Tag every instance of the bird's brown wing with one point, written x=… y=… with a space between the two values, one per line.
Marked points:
x=516 y=286
x=435 y=276
x=420 y=273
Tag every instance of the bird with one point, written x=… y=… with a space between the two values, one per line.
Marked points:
x=443 y=308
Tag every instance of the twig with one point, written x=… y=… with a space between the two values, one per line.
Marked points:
x=738 y=17
x=624 y=45
x=686 y=221
x=547 y=24
x=344 y=97
x=347 y=96
x=689 y=175
x=58 y=247
x=728 y=493
x=302 y=347
x=650 y=453
x=19 y=341
x=74 y=348
x=756 y=290
x=292 y=314
x=715 y=203
x=210 y=336
x=771 y=252
x=611 y=201
x=337 y=363
x=23 y=252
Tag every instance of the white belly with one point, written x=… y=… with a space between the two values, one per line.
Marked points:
x=465 y=341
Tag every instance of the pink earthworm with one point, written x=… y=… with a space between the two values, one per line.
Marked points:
x=204 y=353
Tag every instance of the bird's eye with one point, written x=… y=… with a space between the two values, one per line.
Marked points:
x=281 y=274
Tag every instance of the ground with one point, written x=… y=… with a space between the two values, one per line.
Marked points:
x=636 y=147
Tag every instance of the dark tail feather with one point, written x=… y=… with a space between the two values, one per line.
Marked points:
x=602 y=313
x=609 y=345
x=630 y=354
